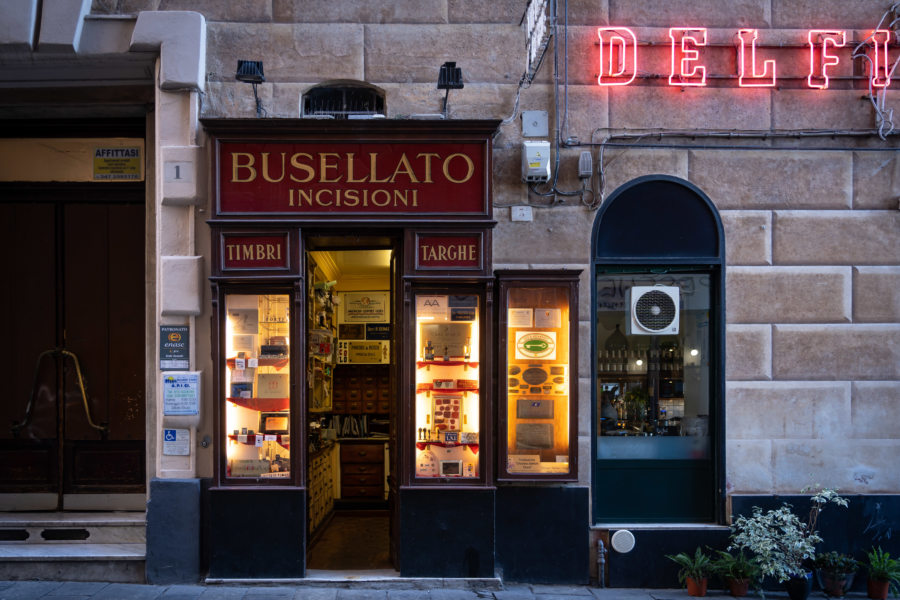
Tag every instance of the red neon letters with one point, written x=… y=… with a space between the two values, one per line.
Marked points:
x=749 y=74
x=821 y=39
x=685 y=55
x=620 y=47
x=881 y=71
x=619 y=58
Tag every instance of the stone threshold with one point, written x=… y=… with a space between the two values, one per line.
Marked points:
x=61 y=552
x=380 y=579
x=658 y=526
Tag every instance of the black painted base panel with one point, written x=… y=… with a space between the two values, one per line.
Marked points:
x=446 y=533
x=173 y=531
x=541 y=537
x=257 y=533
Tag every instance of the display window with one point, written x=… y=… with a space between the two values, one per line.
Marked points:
x=447 y=378
x=653 y=366
x=537 y=348
x=257 y=386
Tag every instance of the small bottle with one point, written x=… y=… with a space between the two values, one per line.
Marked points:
x=429 y=350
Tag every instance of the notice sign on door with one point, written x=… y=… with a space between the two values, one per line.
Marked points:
x=176 y=442
x=117 y=164
x=181 y=393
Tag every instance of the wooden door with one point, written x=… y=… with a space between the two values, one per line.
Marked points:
x=74 y=303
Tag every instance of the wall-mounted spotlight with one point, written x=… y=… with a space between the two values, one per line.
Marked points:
x=251 y=71
x=449 y=78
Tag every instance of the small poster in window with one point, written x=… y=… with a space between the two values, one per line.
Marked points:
x=520 y=317
x=244 y=320
x=548 y=317
x=431 y=307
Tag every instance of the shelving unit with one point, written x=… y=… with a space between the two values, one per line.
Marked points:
x=320 y=335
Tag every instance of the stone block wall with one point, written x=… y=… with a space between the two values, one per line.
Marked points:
x=811 y=221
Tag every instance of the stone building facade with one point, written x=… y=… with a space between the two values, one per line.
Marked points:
x=805 y=182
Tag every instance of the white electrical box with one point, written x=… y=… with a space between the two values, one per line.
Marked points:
x=535 y=162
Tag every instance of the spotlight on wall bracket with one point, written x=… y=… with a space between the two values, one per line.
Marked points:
x=449 y=78
x=251 y=71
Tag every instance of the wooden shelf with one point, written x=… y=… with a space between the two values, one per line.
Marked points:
x=262 y=404
x=278 y=363
x=445 y=363
x=251 y=439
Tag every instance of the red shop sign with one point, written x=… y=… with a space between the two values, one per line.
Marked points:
x=448 y=251
x=371 y=178
x=254 y=252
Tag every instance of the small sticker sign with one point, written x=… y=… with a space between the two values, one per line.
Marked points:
x=174 y=348
x=117 y=164
x=181 y=393
x=176 y=442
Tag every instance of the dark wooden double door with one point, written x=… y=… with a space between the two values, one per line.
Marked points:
x=72 y=300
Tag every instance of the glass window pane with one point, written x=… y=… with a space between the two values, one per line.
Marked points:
x=653 y=366
x=447 y=371
x=538 y=381
x=257 y=386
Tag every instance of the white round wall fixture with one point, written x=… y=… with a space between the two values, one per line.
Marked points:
x=622 y=541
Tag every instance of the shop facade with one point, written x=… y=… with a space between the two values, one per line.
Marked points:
x=639 y=289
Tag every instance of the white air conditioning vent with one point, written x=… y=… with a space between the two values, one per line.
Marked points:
x=653 y=310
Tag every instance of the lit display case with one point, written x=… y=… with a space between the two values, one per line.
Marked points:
x=447 y=412
x=538 y=379
x=257 y=387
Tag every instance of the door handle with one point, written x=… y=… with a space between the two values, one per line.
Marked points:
x=29 y=409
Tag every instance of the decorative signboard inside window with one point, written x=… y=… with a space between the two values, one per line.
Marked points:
x=538 y=413
x=257 y=386
x=447 y=407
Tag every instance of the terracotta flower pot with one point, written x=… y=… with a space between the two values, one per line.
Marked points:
x=877 y=589
x=738 y=587
x=696 y=587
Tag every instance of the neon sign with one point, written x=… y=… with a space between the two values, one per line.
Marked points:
x=688 y=46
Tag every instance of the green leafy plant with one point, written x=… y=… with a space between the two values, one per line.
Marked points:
x=735 y=566
x=882 y=567
x=835 y=563
x=779 y=541
x=696 y=567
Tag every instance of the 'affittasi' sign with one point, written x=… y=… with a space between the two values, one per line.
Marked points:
x=352 y=178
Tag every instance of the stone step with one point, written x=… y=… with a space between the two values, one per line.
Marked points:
x=51 y=528
x=76 y=546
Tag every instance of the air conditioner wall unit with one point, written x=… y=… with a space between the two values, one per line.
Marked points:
x=653 y=310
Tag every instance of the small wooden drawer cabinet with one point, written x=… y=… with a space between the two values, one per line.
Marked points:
x=362 y=471
x=321 y=486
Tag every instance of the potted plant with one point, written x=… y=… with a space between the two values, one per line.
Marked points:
x=694 y=572
x=738 y=570
x=781 y=543
x=884 y=574
x=835 y=572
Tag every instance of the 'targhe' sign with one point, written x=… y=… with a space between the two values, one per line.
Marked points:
x=356 y=178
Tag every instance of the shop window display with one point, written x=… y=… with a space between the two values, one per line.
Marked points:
x=537 y=406
x=447 y=375
x=257 y=386
x=653 y=366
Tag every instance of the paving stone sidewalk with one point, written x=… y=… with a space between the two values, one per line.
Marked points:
x=71 y=590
